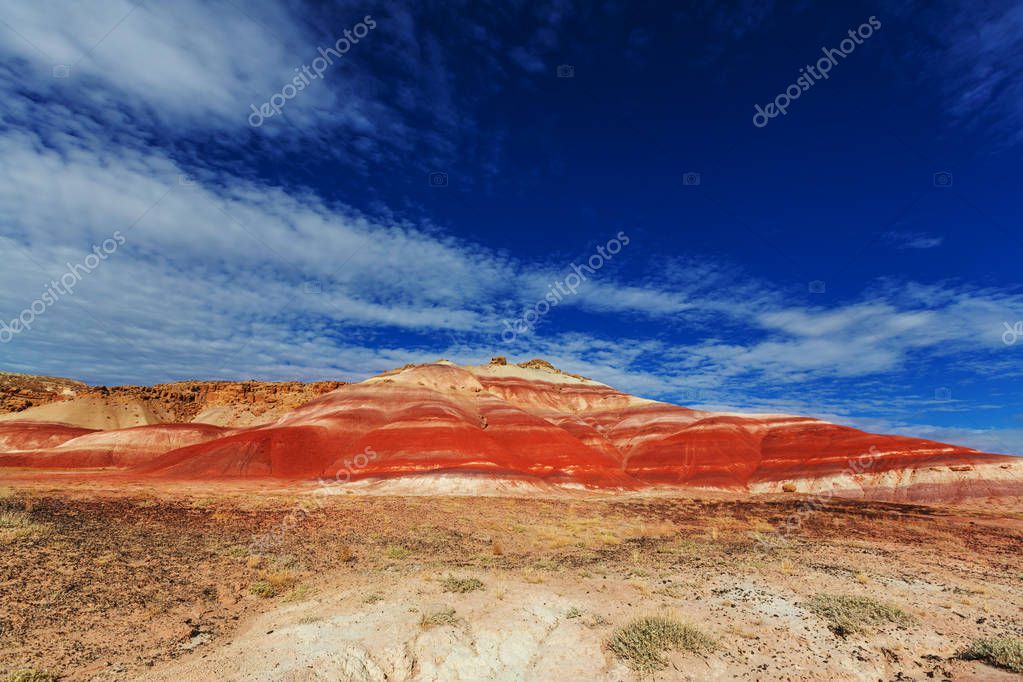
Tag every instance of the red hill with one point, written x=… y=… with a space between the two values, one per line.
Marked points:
x=527 y=423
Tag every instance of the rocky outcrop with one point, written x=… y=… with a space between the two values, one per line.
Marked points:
x=222 y=403
x=20 y=392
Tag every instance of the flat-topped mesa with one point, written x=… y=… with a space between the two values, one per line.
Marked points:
x=226 y=403
x=527 y=423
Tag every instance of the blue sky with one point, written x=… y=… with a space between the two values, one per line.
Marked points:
x=857 y=258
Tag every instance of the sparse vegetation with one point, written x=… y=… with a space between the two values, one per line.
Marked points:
x=397 y=552
x=1000 y=652
x=461 y=585
x=670 y=591
x=17 y=524
x=204 y=568
x=273 y=583
x=436 y=618
x=848 y=614
x=30 y=676
x=300 y=593
x=262 y=589
x=643 y=642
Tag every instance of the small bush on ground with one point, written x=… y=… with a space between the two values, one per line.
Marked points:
x=443 y=617
x=1001 y=652
x=847 y=614
x=643 y=642
x=30 y=676
x=397 y=553
x=461 y=585
x=273 y=583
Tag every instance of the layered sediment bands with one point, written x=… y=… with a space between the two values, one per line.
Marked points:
x=98 y=449
x=523 y=423
x=33 y=435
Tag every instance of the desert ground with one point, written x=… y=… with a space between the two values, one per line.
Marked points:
x=125 y=580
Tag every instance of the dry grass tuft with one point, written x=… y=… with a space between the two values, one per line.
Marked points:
x=15 y=525
x=643 y=642
x=346 y=554
x=847 y=614
x=461 y=585
x=397 y=552
x=300 y=593
x=30 y=676
x=1000 y=652
x=273 y=583
x=438 y=618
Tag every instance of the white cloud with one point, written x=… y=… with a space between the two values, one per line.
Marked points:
x=186 y=62
x=913 y=240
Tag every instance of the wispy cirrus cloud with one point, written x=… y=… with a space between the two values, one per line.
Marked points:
x=974 y=54
x=913 y=240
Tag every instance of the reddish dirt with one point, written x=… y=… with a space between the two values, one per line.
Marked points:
x=110 y=583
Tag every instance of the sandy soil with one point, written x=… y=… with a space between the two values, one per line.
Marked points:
x=194 y=582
